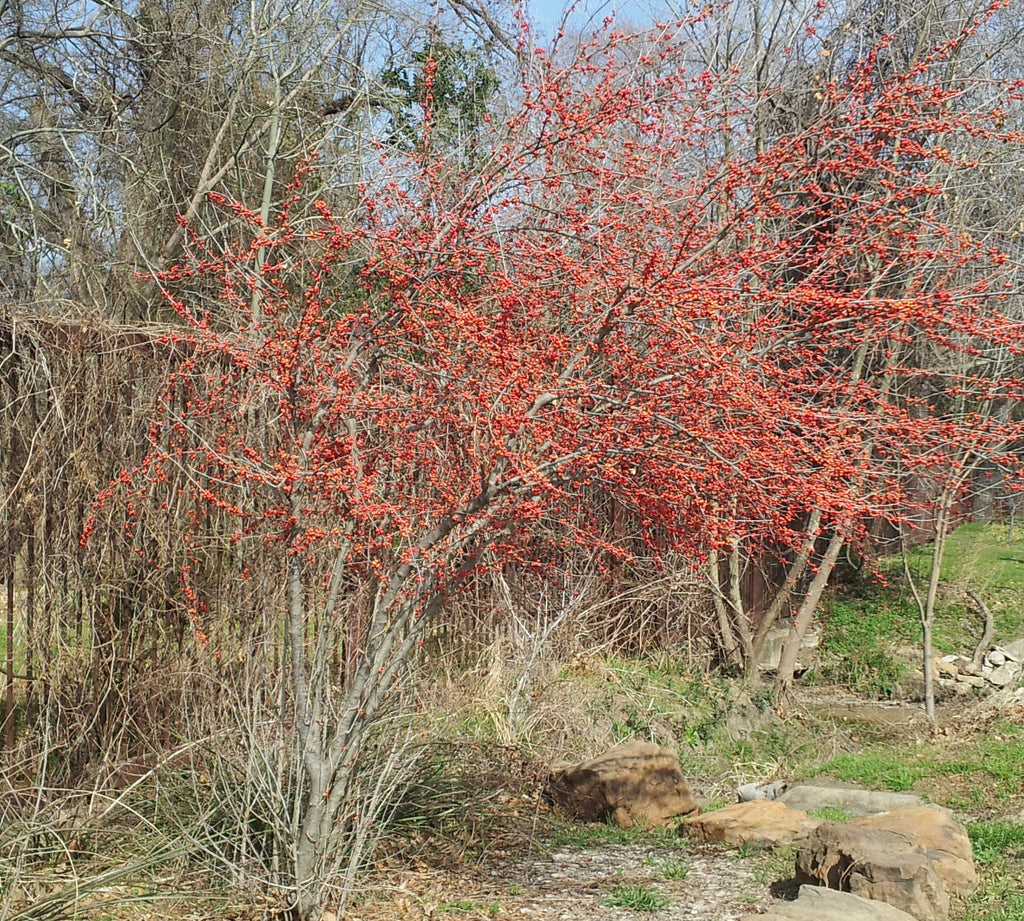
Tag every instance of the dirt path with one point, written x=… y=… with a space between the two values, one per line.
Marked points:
x=574 y=884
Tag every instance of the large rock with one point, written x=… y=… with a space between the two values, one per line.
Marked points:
x=875 y=864
x=817 y=904
x=945 y=841
x=633 y=784
x=761 y=823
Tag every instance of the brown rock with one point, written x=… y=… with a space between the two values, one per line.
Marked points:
x=944 y=839
x=762 y=823
x=874 y=864
x=632 y=784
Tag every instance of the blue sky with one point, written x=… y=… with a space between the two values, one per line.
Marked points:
x=589 y=14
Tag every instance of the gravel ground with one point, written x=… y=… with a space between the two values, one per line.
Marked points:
x=573 y=884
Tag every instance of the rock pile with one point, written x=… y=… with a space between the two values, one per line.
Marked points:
x=1000 y=668
x=899 y=859
x=904 y=863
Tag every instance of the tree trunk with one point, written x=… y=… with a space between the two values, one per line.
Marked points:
x=926 y=606
x=787 y=663
x=730 y=647
x=9 y=699
x=738 y=613
x=785 y=592
x=941 y=533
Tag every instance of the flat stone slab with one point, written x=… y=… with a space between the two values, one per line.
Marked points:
x=761 y=823
x=818 y=904
x=851 y=800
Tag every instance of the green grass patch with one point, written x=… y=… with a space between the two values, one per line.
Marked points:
x=830 y=814
x=866 y=621
x=1012 y=910
x=1002 y=760
x=1000 y=897
x=982 y=776
x=858 y=643
x=992 y=840
x=675 y=870
x=986 y=557
x=880 y=768
x=636 y=897
x=987 y=554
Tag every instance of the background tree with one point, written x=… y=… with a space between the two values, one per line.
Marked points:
x=120 y=117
